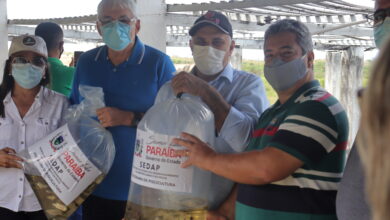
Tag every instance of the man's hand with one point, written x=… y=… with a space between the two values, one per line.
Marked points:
x=198 y=152
x=8 y=159
x=188 y=83
x=110 y=117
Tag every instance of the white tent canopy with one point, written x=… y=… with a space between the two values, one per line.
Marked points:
x=334 y=24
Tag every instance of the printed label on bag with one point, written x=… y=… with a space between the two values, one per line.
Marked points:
x=63 y=165
x=156 y=165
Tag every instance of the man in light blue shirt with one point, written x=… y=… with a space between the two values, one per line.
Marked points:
x=235 y=97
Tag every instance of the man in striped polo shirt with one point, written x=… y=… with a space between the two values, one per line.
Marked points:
x=296 y=155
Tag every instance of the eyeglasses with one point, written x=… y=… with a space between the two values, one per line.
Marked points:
x=379 y=17
x=36 y=61
x=123 y=19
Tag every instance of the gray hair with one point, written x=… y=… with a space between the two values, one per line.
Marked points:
x=127 y=4
x=303 y=36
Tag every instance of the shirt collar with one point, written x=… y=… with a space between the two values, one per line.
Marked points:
x=138 y=52
x=136 y=56
x=304 y=88
x=226 y=73
x=38 y=97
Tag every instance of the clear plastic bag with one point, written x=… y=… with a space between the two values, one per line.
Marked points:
x=66 y=166
x=160 y=188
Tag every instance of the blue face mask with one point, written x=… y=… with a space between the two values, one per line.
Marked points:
x=283 y=75
x=382 y=32
x=27 y=75
x=116 y=35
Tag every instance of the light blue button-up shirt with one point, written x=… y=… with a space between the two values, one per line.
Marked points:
x=246 y=94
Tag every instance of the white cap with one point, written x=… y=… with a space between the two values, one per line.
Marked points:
x=28 y=43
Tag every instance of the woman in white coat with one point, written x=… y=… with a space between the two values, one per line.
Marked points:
x=28 y=112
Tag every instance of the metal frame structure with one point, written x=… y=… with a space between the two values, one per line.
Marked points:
x=335 y=24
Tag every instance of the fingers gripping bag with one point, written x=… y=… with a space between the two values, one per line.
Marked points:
x=66 y=166
x=160 y=188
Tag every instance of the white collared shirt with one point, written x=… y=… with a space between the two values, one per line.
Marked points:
x=44 y=116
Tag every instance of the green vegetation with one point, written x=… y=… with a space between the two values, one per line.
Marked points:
x=256 y=67
x=182 y=60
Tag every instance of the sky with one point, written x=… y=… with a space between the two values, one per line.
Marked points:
x=33 y=9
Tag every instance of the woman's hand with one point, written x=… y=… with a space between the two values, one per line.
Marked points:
x=8 y=159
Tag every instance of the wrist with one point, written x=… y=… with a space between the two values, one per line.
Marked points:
x=204 y=90
x=211 y=161
x=137 y=116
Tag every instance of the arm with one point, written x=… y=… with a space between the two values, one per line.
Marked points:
x=227 y=209
x=111 y=116
x=249 y=103
x=108 y=116
x=217 y=105
x=254 y=167
x=75 y=95
x=304 y=137
x=188 y=83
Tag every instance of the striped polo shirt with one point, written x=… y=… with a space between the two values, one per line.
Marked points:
x=313 y=127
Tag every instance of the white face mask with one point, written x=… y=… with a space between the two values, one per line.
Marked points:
x=208 y=60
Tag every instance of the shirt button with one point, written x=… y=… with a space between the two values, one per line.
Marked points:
x=114 y=69
x=22 y=142
x=20 y=196
x=21 y=179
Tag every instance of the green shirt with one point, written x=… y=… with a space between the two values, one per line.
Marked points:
x=61 y=77
x=313 y=127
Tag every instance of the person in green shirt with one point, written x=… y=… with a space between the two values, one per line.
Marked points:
x=61 y=75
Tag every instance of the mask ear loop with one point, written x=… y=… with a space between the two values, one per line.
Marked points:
x=303 y=57
x=44 y=72
x=10 y=72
